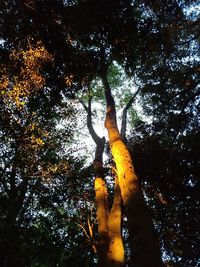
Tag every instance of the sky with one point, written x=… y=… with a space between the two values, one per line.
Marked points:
x=122 y=92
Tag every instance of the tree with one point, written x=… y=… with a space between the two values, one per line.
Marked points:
x=142 y=36
x=36 y=173
x=110 y=247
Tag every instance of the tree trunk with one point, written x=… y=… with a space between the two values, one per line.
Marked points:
x=116 y=247
x=102 y=221
x=110 y=245
x=143 y=242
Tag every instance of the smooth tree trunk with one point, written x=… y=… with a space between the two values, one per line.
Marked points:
x=116 y=247
x=110 y=247
x=101 y=198
x=142 y=238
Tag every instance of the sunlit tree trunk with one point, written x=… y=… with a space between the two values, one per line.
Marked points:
x=116 y=247
x=110 y=247
x=143 y=242
x=101 y=206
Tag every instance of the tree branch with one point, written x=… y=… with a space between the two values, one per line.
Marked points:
x=124 y=115
x=109 y=98
x=88 y=109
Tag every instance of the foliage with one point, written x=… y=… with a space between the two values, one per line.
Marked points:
x=52 y=51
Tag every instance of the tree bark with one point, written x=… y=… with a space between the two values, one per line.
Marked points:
x=116 y=247
x=101 y=199
x=110 y=247
x=102 y=221
x=143 y=242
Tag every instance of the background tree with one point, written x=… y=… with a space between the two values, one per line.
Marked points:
x=39 y=179
x=153 y=41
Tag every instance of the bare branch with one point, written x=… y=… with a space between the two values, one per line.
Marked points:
x=88 y=109
x=84 y=230
x=88 y=237
x=90 y=227
x=124 y=114
x=83 y=104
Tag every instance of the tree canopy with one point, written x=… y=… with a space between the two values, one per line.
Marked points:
x=61 y=63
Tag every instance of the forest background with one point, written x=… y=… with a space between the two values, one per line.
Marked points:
x=63 y=62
